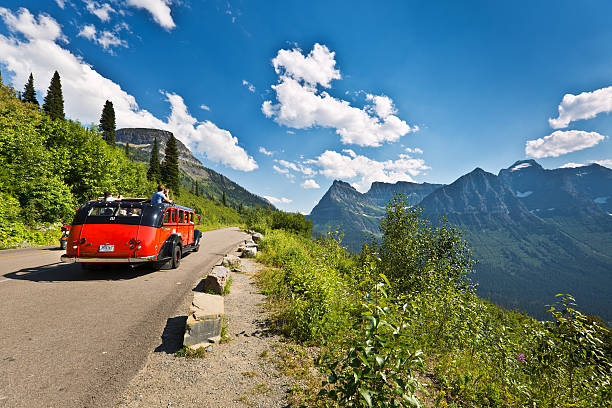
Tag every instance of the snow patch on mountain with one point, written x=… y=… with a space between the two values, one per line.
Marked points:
x=601 y=200
x=523 y=195
x=520 y=166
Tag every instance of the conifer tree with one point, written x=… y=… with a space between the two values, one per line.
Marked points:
x=223 y=199
x=54 y=101
x=192 y=191
x=170 y=166
x=127 y=149
x=107 y=123
x=29 y=93
x=197 y=189
x=154 y=172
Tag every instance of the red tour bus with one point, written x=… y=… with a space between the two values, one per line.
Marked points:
x=131 y=231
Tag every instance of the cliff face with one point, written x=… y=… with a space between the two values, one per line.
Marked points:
x=212 y=183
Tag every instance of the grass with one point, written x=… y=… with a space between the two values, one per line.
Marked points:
x=189 y=353
x=226 y=288
x=225 y=338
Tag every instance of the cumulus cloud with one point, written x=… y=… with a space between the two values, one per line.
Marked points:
x=249 y=85
x=363 y=171
x=205 y=107
x=159 y=9
x=297 y=167
x=106 y=39
x=301 y=104
x=85 y=90
x=562 y=142
x=102 y=11
x=264 y=151
x=275 y=200
x=416 y=150
x=586 y=105
x=310 y=183
x=61 y=3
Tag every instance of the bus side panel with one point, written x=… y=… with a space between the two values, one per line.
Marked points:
x=149 y=242
x=74 y=235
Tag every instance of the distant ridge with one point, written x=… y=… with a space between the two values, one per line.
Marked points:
x=535 y=232
x=211 y=182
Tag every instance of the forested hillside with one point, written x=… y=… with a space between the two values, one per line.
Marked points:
x=48 y=167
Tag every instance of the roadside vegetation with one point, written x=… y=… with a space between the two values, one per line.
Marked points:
x=50 y=165
x=400 y=324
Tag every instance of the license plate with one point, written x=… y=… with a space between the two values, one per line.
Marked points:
x=107 y=248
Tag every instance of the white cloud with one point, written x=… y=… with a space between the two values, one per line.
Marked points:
x=364 y=171
x=249 y=85
x=416 y=150
x=572 y=165
x=205 y=107
x=310 y=183
x=350 y=152
x=280 y=170
x=562 y=142
x=290 y=132
x=302 y=105
x=605 y=162
x=264 y=151
x=105 y=38
x=61 y=3
x=275 y=200
x=102 y=11
x=586 y=105
x=297 y=167
x=85 y=90
x=159 y=9
x=318 y=67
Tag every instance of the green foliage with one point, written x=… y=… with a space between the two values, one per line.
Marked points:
x=29 y=93
x=127 y=150
x=154 y=171
x=224 y=199
x=477 y=354
x=170 y=166
x=107 y=124
x=190 y=353
x=260 y=219
x=54 y=100
x=377 y=369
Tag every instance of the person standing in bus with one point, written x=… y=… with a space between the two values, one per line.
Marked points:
x=159 y=197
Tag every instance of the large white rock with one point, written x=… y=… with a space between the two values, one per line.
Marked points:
x=204 y=321
x=231 y=261
x=216 y=280
x=249 y=252
x=257 y=237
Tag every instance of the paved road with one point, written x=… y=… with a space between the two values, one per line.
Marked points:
x=70 y=338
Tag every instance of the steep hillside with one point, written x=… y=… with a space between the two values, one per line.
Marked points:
x=213 y=184
x=381 y=193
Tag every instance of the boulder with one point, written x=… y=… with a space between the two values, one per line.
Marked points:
x=216 y=280
x=249 y=252
x=231 y=261
x=257 y=237
x=204 y=321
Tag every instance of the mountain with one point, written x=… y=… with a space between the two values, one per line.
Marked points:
x=211 y=183
x=534 y=232
x=357 y=215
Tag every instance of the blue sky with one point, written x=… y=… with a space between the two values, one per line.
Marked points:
x=459 y=84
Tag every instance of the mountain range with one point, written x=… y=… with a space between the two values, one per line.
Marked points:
x=211 y=183
x=534 y=232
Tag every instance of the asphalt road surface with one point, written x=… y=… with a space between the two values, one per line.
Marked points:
x=70 y=338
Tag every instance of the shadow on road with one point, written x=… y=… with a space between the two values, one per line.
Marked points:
x=172 y=337
x=61 y=272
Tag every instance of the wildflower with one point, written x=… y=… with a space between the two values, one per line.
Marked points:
x=521 y=357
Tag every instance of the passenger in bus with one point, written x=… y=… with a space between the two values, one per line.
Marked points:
x=159 y=197
x=108 y=197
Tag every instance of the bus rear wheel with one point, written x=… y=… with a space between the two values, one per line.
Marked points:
x=176 y=257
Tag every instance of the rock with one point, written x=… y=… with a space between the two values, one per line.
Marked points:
x=231 y=261
x=249 y=252
x=249 y=244
x=257 y=237
x=216 y=280
x=204 y=320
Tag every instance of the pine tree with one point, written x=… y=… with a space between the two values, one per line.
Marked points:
x=223 y=199
x=197 y=189
x=107 y=123
x=29 y=93
x=54 y=101
x=127 y=149
x=154 y=172
x=170 y=166
x=192 y=191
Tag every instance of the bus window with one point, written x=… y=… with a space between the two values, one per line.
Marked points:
x=191 y=218
x=181 y=217
x=174 y=215
x=167 y=217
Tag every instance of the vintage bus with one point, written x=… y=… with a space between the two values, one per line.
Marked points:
x=131 y=231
